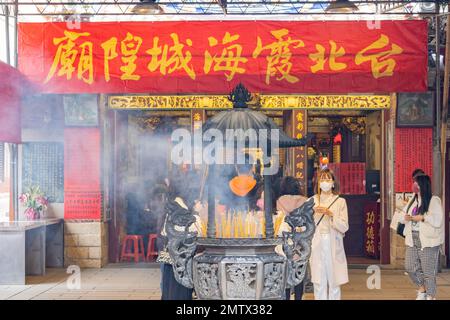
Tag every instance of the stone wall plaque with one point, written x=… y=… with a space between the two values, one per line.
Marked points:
x=43 y=166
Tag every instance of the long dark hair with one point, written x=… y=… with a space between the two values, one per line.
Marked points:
x=289 y=186
x=186 y=186
x=424 y=183
x=417 y=172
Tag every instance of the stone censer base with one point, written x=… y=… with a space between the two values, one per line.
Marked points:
x=244 y=269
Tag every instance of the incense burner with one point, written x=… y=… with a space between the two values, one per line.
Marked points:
x=243 y=266
x=240 y=268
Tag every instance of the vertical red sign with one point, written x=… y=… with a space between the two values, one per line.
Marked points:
x=82 y=194
x=300 y=158
x=372 y=230
x=413 y=149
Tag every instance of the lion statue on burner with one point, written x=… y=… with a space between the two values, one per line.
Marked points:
x=297 y=245
x=182 y=242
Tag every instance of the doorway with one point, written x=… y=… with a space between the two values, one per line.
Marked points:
x=140 y=158
x=350 y=141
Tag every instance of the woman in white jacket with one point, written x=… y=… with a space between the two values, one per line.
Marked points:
x=424 y=234
x=328 y=261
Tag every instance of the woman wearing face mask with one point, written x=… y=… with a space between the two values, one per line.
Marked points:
x=424 y=234
x=328 y=261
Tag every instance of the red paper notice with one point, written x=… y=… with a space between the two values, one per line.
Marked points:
x=413 y=150
x=82 y=194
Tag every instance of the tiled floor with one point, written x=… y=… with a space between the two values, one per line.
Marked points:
x=131 y=282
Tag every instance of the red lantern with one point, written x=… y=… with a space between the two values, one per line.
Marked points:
x=337 y=139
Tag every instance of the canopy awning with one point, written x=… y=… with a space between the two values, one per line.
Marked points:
x=13 y=85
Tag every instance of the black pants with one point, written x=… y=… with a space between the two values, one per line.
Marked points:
x=171 y=289
x=298 y=292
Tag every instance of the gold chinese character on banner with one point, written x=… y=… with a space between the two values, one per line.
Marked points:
x=109 y=53
x=382 y=63
x=197 y=117
x=300 y=165
x=370 y=247
x=278 y=60
x=129 y=48
x=370 y=218
x=370 y=233
x=229 y=59
x=299 y=175
x=169 y=59
x=320 y=58
x=67 y=54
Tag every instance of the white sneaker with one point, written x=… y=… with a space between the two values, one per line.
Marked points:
x=430 y=298
x=421 y=295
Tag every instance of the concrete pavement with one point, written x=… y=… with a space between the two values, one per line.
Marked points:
x=141 y=282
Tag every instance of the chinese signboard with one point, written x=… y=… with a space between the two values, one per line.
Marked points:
x=198 y=117
x=43 y=166
x=211 y=57
x=169 y=102
x=82 y=174
x=325 y=102
x=299 y=154
x=413 y=150
x=265 y=101
x=372 y=230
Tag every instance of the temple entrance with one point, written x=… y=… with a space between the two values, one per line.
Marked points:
x=142 y=167
x=349 y=141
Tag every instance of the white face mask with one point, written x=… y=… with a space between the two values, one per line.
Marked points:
x=326 y=186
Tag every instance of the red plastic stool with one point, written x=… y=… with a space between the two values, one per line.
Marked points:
x=137 y=244
x=151 y=250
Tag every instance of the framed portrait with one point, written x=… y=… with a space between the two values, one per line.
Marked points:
x=415 y=109
x=81 y=110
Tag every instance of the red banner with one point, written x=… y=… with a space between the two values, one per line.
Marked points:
x=11 y=86
x=413 y=150
x=82 y=195
x=211 y=57
x=10 y=117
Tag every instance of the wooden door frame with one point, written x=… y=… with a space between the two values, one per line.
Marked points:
x=386 y=199
x=114 y=221
x=447 y=204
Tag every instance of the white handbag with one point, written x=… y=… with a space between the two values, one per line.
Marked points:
x=396 y=218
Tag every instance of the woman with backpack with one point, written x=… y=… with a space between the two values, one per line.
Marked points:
x=424 y=234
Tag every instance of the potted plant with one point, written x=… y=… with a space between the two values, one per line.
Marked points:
x=35 y=202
